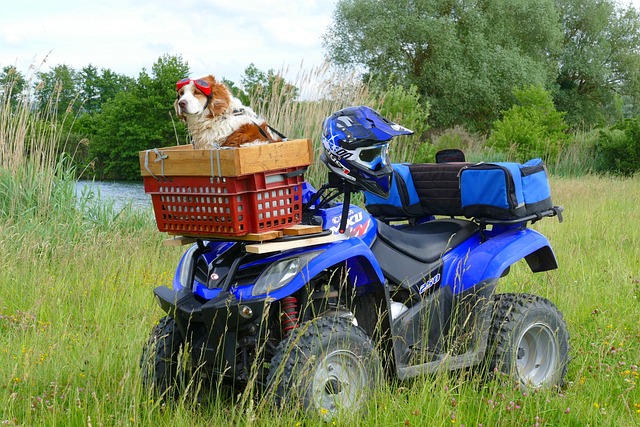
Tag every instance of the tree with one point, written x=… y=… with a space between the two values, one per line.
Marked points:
x=97 y=87
x=599 y=60
x=138 y=119
x=464 y=56
x=12 y=85
x=57 y=88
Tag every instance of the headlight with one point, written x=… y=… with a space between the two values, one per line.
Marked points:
x=187 y=267
x=281 y=273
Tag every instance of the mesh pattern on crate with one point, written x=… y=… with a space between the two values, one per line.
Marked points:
x=231 y=206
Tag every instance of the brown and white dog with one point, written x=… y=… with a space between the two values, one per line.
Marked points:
x=217 y=119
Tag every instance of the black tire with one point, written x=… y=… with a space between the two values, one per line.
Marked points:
x=366 y=313
x=528 y=340
x=162 y=361
x=327 y=365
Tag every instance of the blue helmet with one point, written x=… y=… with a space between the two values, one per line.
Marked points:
x=356 y=147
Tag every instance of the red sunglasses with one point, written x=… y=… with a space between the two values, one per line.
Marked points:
x=202 y=85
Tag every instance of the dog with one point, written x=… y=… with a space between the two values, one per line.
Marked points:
x=215 y=118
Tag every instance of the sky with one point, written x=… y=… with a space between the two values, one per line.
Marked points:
x=219 y=37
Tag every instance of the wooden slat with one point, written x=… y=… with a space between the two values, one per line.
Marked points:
x=183 y=160
x=179 y=241
x=268 y=247
x=302 y=230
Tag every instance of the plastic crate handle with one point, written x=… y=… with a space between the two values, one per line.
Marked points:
x=281 y=177
x=297 y=172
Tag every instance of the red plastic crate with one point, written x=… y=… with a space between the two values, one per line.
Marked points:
x=228 y=206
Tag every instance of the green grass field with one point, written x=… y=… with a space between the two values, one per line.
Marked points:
x=76 y=306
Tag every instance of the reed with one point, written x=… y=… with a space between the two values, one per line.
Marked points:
x=28 y=147
x=324 y=90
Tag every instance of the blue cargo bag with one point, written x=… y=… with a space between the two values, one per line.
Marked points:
x=403 y=200
x=505 y=190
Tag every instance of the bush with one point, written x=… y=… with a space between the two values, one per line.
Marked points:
x=457 y=137
x=617 y=150
x=531 y=128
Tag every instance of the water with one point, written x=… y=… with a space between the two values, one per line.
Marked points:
x=119 y=192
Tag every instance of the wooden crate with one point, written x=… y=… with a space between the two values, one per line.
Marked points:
x=183 y=160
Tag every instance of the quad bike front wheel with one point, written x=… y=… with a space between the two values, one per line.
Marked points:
x=328 y=365
x=162 y=365
x=528 y=340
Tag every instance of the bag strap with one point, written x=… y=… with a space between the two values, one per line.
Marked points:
x=160 y=157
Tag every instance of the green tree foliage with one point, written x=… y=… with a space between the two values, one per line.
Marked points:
x=261 y=89
x=531 y=128
x=464 y=56
x=136 y=120
x=618 y=149
x=12 y=85
x=403 y=106
x=599 y=60
x=57 y=88
x=97 y=87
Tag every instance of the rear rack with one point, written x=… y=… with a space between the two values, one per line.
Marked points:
x=554 y=211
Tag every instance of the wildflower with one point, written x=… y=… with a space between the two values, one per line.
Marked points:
x=566 y=411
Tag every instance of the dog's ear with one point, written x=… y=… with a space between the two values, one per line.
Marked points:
x=220 y=100
x=210 y=79
x=178 y=111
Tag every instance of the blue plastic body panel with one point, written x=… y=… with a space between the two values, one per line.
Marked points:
x=481 y=258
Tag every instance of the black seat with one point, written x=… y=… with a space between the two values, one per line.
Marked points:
x=427 y=242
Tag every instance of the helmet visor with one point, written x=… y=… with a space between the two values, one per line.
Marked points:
x=373 y=158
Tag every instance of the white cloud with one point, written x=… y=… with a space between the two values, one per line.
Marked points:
x=221 y=37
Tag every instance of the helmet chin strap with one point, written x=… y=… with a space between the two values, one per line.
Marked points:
x=346 y=204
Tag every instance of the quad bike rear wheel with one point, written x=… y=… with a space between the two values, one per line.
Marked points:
x=162 y=364
x=528 y=340
x=328 y=365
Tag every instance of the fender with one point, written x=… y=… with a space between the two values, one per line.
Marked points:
x=362 y=267
x=490 y=259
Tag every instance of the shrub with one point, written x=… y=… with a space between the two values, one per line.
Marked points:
x=457 y=137
x=531 y=128
x=617 y=150
x=403 y=106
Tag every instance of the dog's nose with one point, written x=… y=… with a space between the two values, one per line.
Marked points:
x=182 y=104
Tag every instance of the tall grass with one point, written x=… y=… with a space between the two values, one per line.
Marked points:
x=328 y=91
x=76 y=307
x=28 y=160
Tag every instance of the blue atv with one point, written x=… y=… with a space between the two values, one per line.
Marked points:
x=319 y=319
